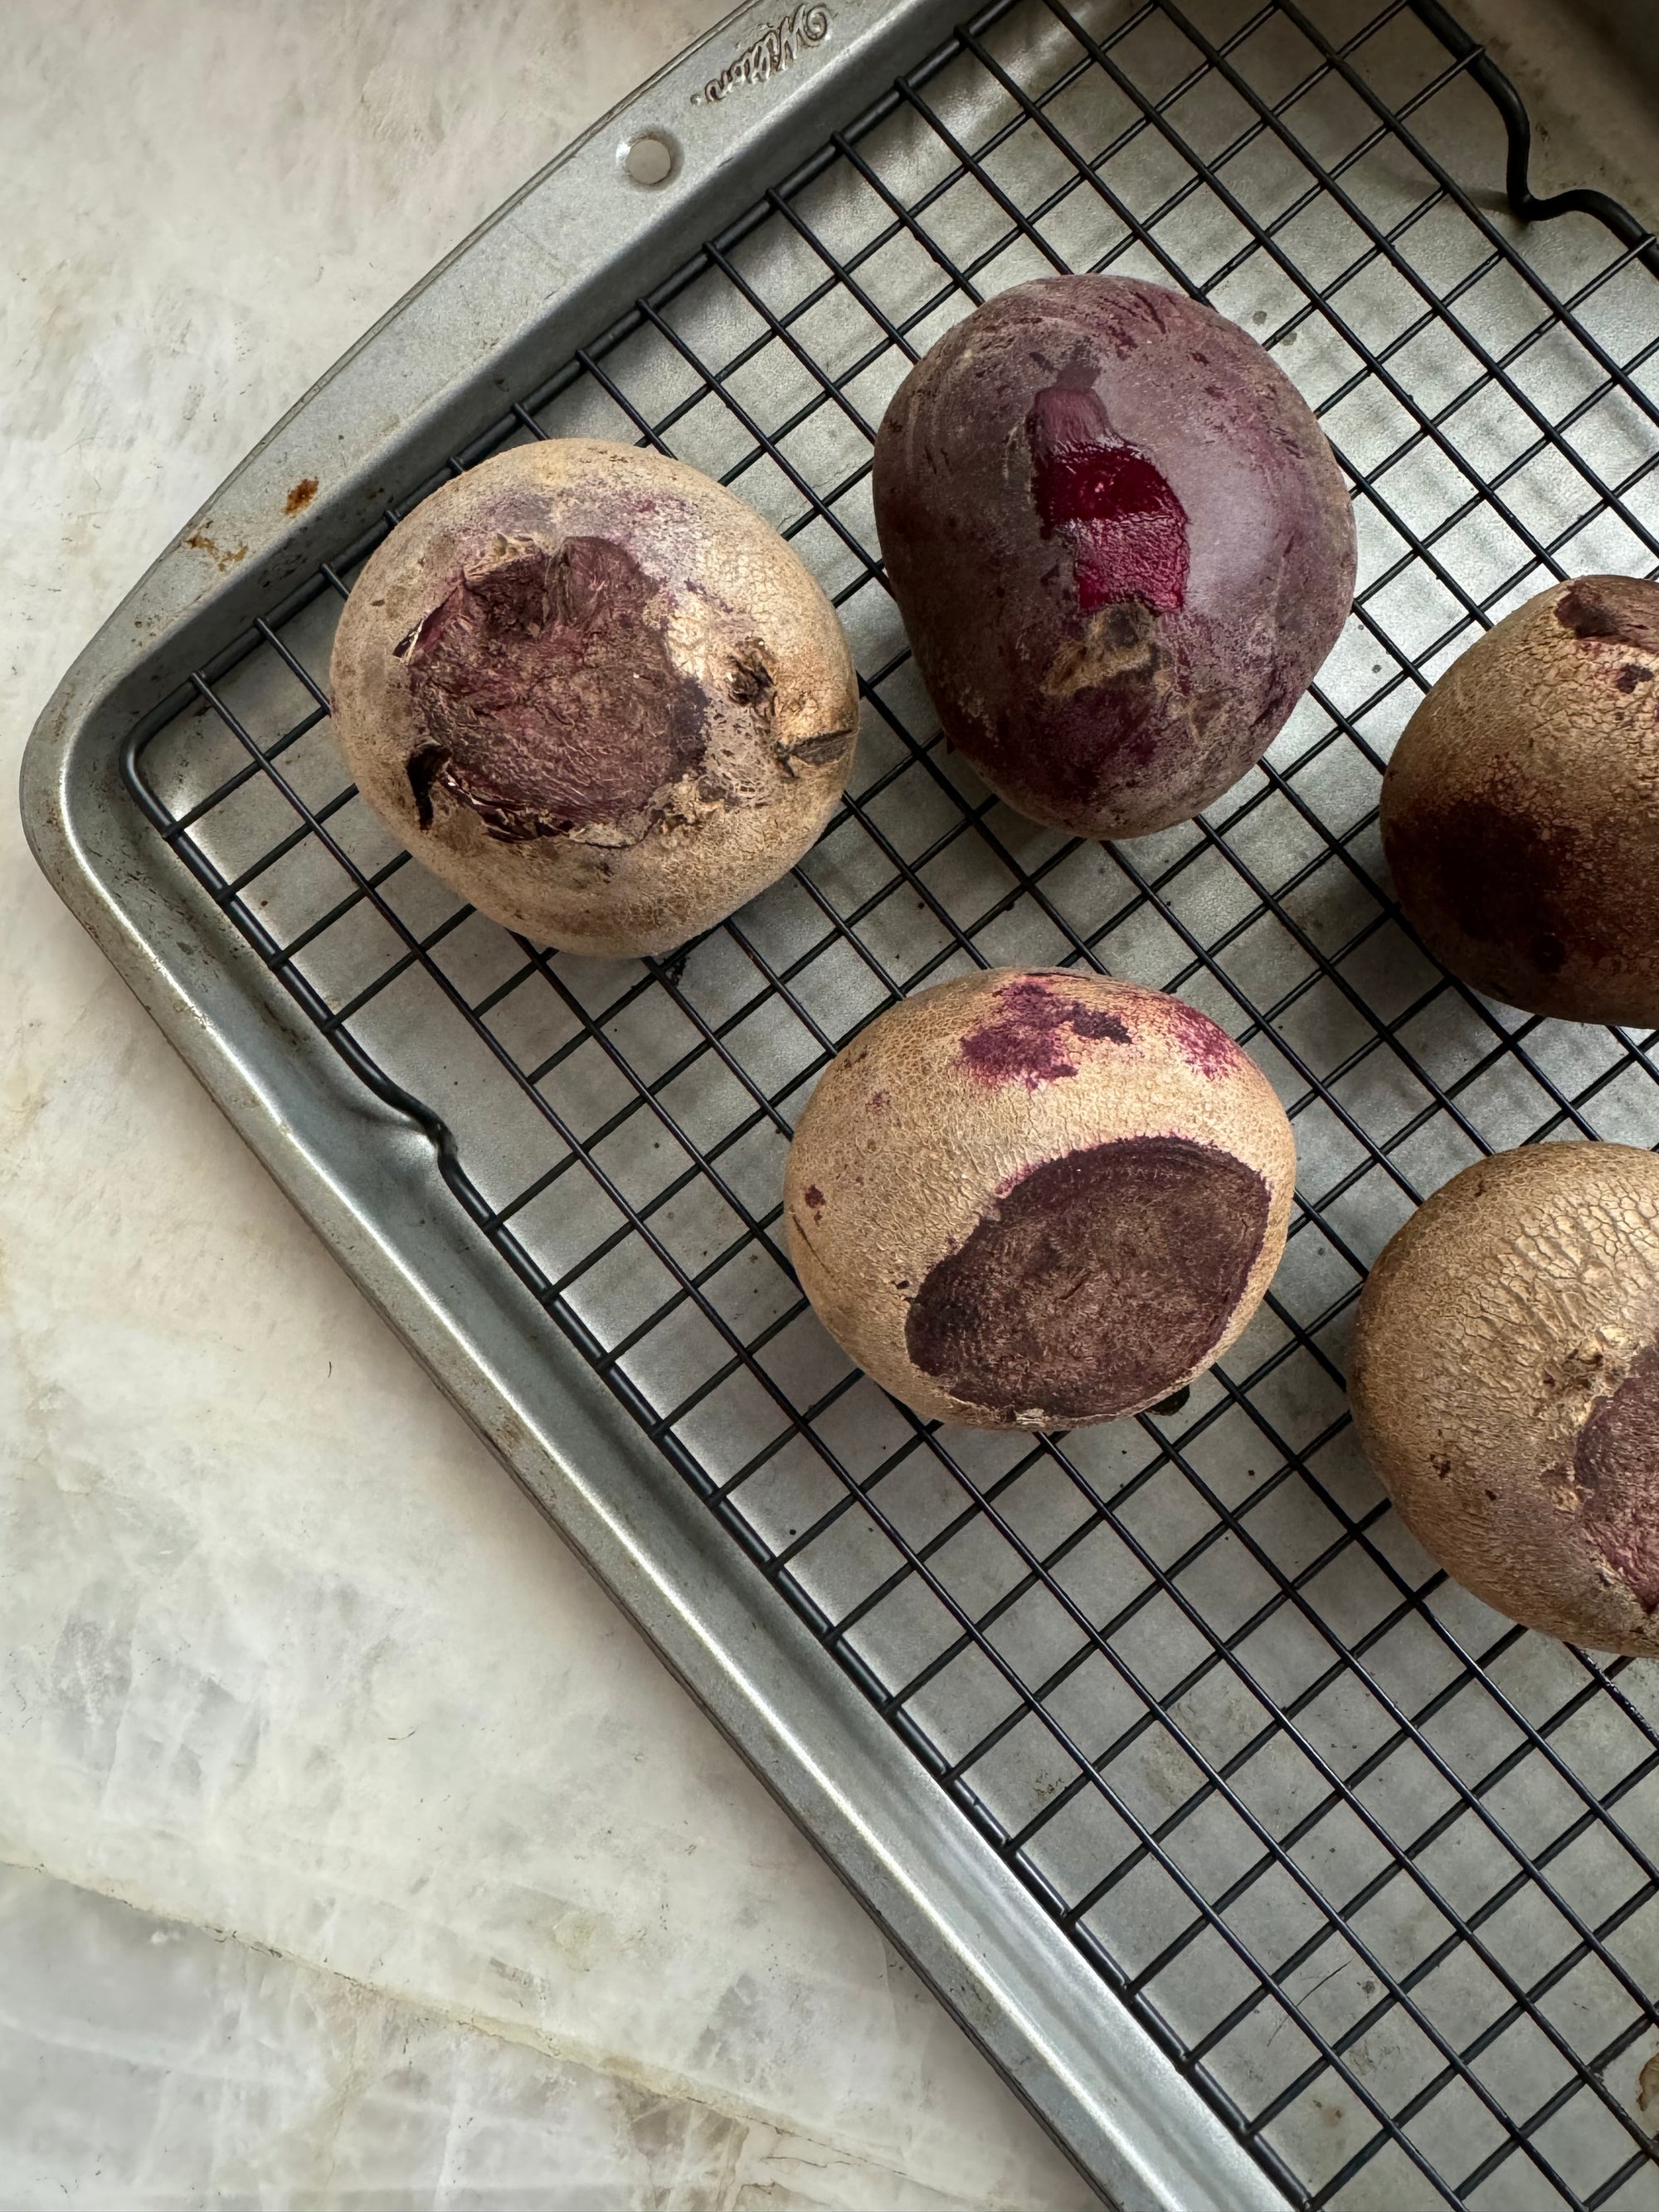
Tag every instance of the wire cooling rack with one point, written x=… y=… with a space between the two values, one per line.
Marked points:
x=1366 y=1861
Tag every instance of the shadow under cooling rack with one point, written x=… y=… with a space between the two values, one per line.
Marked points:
x=1366 y=1862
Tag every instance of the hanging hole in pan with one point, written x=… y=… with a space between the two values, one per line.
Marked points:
x=650 y=159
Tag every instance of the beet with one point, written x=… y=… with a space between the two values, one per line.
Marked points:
x=1504 y=1379
x=1121 y=546
x=1036 y=1199
x=1517 y=811
x=594 y=693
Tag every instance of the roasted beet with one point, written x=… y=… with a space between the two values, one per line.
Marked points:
x=1505 y=1377
x=1032 y=1198
x=1519 y=820
x=1120 y=544
x=596 y=694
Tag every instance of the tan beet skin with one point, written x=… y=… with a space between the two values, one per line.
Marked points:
x=596 y=694
x=1504 y=1379
x=1036 y=1199
x=1521 y=808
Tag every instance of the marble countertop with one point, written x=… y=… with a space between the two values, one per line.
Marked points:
x=355 y=1851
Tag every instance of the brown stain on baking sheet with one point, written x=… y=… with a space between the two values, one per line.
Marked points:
x=300 y=495
x=222 y=557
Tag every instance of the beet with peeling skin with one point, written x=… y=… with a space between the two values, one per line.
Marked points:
x=596 y=694
x=1035 y=1199
x=1120 y=545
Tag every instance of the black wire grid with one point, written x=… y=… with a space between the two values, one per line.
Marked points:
x=1366 y=1861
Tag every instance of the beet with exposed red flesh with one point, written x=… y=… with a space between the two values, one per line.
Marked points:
x=1032 y=1198
x=1120 y=545
x=596 y=694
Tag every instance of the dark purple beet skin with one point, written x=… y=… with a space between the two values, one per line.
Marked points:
x=1120 y=544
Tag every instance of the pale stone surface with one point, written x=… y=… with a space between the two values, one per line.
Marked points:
x=143 y=2054
x=284 y=1655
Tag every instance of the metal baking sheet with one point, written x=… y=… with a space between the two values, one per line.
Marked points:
x=1266 y=1863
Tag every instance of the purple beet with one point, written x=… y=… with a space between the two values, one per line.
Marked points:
x=1121 y=546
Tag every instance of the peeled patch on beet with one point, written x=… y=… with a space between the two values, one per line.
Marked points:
x=595 y=694
x=1025 y=1040
x=1121 y=546
x=1618 y=610
x=1616 y=1471
x=1125 y=529
x=1501 y=876
x=1202 y=1044
x=547 y=696
x=1048 y=1207
x=1099 y=1275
